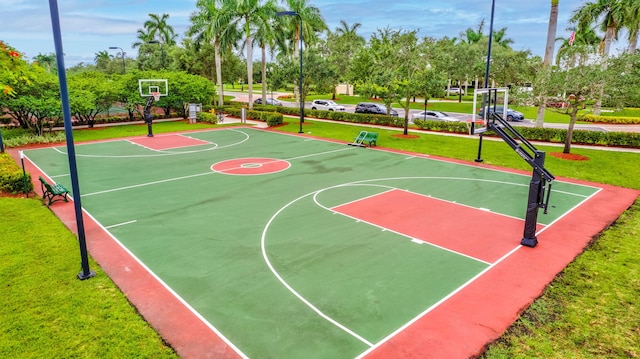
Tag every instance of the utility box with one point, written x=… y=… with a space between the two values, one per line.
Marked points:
x=194 y=108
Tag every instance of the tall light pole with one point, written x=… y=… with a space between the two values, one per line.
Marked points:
x=293 y=13
x=161 y=49
x=122 y=52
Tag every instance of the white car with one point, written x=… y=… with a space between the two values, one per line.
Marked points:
x=326 y=105
x=430 y=115
x=456 y=90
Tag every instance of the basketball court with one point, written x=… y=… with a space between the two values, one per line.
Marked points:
x=242 y=242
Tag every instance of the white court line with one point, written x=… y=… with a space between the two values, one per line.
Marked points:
x=121 y=224
x=436 y=304
x=293 y=291
x=147 y=184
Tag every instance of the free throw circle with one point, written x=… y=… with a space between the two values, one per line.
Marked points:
x=250 y=166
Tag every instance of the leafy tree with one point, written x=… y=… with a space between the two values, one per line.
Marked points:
x=91 y=93
x=14 y=70
x=580 y=83
x=37 y=103
x=342 y=45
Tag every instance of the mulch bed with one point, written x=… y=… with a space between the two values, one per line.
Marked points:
x=569 y=156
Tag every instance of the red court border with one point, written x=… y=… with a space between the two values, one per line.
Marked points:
x=459 y=327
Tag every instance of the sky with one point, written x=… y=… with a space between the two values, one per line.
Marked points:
x=91 y=26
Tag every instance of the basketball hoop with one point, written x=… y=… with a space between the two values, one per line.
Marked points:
x=156 y=96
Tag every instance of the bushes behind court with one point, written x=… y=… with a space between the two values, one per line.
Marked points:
x=11 y=176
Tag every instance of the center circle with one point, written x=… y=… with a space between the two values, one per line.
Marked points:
x=250 y=166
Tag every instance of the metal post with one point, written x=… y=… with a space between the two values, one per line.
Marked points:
x=24 y=175
x=300 y=81
x=1 y=142
x=71 y=152
x=121 y=52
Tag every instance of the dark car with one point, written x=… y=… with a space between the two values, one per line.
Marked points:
x=512 y=115
x=375 y=108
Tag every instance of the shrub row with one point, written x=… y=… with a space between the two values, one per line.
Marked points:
x=272 y=116
x=11 y=176
x=20 y=137
x=610 y=119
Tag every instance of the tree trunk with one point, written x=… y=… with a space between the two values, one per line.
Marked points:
x=406 y=115
x=218 y=62
x=250 y=71
x=548 y=58
x=633 y=42
x=264 y=74
x=572 y=122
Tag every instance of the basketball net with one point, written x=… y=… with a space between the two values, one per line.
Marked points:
x=156 y=96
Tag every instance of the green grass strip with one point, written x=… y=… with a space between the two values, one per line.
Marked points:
x=45 y=311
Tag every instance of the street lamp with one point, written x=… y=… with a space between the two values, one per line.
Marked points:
x=161 y=49
x=293 y=13
x=122 y=52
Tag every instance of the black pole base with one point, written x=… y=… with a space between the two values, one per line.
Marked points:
x=479 y=160
x=529 y=242
x=83 y=276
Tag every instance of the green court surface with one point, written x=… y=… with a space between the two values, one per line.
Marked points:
x=250 y=228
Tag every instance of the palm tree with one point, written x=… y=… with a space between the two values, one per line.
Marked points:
x=102 y=58
x=500 y=38
x=245 y=15
x=48 y=61
x=471 y=36
x=610 y=14
x=159 y=30
x=264 y=37
x=548 y=56
x=312 y=23
x=209 y=25
x=585 y=37
x=143 y=38
x=632 y=23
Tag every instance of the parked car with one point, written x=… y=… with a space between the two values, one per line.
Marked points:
x=512 y=115
x=375 y=108
x=326 y=105
x=270 y=101
x=456 y=90
x=433 y=116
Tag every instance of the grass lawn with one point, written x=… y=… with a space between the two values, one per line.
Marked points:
x=590 y=310
x=45 y=311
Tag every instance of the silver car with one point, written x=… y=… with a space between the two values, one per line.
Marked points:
x=433 y=116
x=326 y=105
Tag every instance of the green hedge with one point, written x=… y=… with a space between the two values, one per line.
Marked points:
x=583 y=137
x=11 y=176
x=610 y=119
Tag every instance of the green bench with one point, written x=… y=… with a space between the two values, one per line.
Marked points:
x=365 y=137
x=53 y=192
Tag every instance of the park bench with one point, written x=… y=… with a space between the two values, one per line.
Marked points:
x=365 y=137
x=50 y=192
